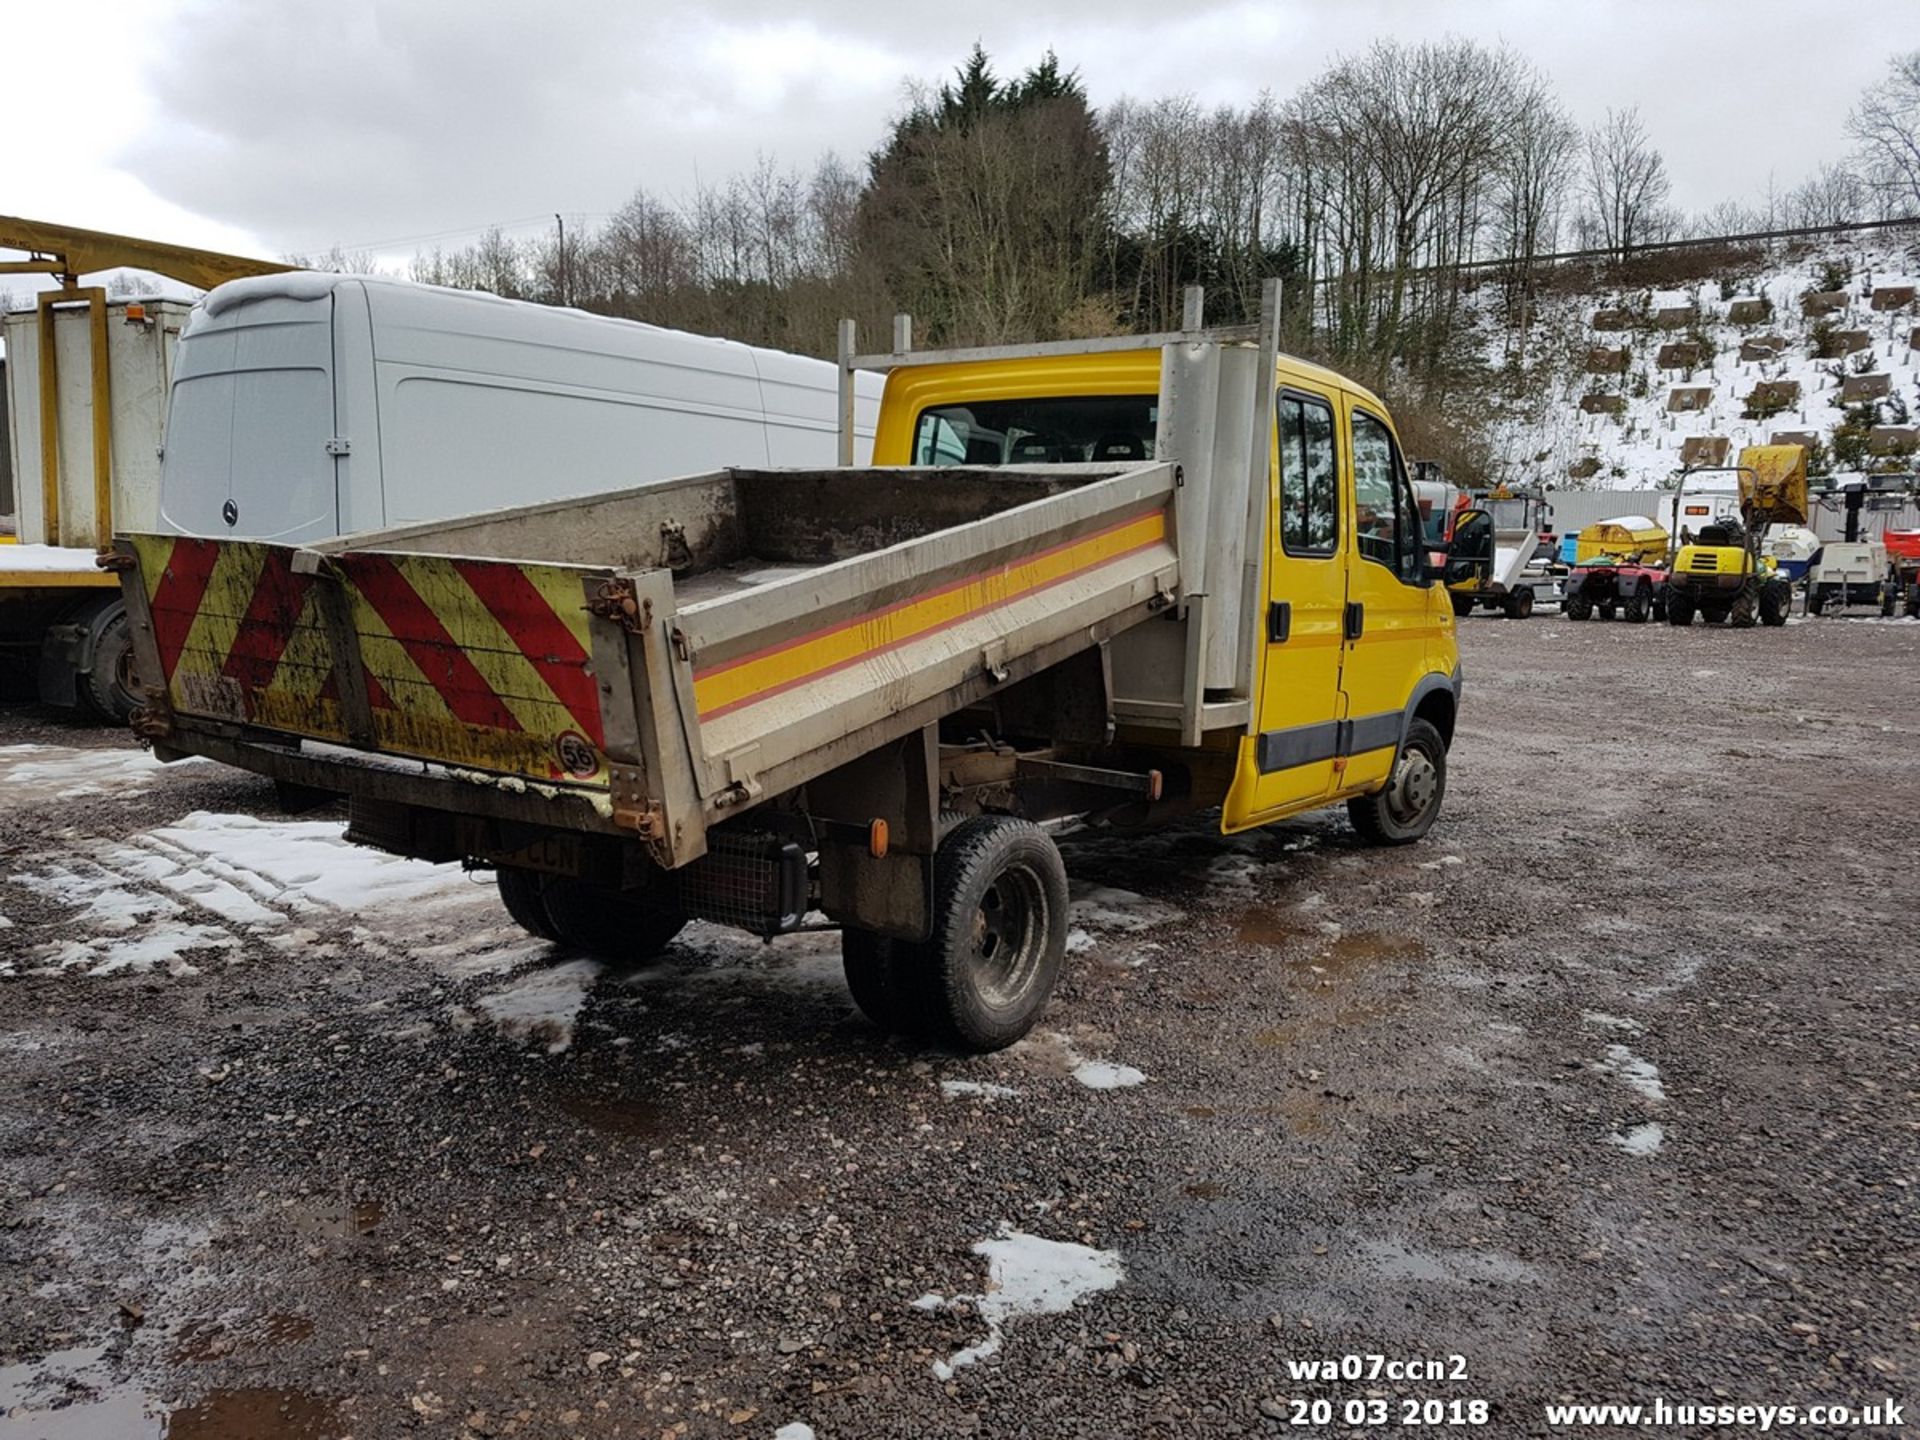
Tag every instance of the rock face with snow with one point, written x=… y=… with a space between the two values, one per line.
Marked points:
x=1629 y=385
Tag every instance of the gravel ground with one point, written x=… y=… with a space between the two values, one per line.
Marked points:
x=1608 y=1088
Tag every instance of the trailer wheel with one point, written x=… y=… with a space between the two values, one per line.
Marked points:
x=1519 y=605
x=884 y=975
x=522 y=891
x=1577 y=607
x=107 y=687
x=618 y=925
x=1636 y=608
x=999 y=932
x=1816 y=599
x=1406 y=808
x=1776 y=602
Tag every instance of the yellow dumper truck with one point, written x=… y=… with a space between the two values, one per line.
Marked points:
x=1117 y=580
x=1722 y=571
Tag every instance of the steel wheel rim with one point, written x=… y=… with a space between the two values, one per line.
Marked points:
x=1009 y=937
x=1416 y=783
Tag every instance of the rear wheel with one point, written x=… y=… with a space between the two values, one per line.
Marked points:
x=619 y=925
x=885 y=977
x=1637 y=608
x=523 y=892
x=1519 y=605
x=107 y=688
x=1577 y=607
x=1776 y=602
x=1745 y=610
x=999 y=932
x=1406 y=809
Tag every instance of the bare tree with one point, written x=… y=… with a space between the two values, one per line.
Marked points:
x=1886 y=126
x=1834 y=195
x=1626 y=181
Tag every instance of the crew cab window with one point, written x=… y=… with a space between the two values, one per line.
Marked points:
x=1309 y=477
x=1048 y=431
x=1387 y=526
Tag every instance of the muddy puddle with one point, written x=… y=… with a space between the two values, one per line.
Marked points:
x=620 y=1116
x=339 y=1222
x=73 y=1395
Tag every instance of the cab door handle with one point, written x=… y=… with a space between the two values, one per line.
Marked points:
x=1356 y=619
x=1279 y=621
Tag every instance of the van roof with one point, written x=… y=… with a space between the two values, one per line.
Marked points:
x=315 y=285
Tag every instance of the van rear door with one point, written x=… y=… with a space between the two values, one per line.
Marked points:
x=250 y=420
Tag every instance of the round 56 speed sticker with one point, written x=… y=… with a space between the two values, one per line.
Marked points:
x=576 y=755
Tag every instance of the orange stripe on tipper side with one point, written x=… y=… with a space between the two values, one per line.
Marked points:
x=748 y=679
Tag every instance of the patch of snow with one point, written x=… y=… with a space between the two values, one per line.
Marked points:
x=1028 y=1275
x=1104 y=908
x=983 y=1089
x=1636 y=1073
x=1641 y=1139
x=1105 y=1075
x=794 y=1430
x=65 y=772
x=46 y=559
x=1079 y=942
x=1603 y=1021
x=542 y=1007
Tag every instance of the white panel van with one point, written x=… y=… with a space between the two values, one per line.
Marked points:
x=306 y=405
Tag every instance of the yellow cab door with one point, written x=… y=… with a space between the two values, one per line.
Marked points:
x=1287 y=760
x=1392 y=615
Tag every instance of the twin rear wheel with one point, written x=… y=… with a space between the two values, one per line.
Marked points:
x=982 y=978
x=625 y=926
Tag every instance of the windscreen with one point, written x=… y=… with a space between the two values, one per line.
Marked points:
x=1049 y=431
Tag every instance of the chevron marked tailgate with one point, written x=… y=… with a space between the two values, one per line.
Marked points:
x=483 y=663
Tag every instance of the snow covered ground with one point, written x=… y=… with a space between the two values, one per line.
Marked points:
x=1541 y=438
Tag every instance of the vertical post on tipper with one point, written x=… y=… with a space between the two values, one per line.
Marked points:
x=1193 y=308
x=846 y=392
x=903 y=334
x=1259 y=472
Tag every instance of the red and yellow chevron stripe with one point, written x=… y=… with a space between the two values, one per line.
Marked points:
x=473 y=662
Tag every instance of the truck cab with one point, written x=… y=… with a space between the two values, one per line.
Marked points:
x=1357 y=640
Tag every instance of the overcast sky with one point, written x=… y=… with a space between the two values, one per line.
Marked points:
x=277 y=126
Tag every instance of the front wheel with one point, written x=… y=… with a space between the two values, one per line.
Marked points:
x=1406 y=809
x=1680 y=610
x=999 y=932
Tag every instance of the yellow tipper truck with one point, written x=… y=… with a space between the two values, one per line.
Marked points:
x=1115 y=580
